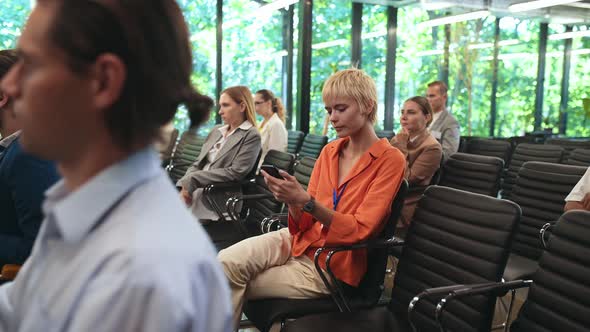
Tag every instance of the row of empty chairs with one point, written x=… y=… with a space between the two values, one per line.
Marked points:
x=515 y=157
x=435 y=290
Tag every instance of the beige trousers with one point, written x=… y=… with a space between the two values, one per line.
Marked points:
x=262 y=267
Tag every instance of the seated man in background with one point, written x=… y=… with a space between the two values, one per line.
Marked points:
x=579 y=197
x=444 y=127
x=23 y=180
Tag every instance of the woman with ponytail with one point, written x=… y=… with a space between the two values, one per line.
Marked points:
x=272 y=130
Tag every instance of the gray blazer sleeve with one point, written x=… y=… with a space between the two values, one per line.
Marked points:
x=450 y=139
x=241 y=165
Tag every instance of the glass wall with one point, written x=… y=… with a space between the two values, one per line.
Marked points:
x=202 y=36
x=252 y=46
x=254 y=54
x=578 y=119
x=330 y=52
x=13 y=14
x=419 y=56
x=374 y=51
x=470 y=74
x=517 y=73
x=553 y=77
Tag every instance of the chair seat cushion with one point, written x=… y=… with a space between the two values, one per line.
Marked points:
x=263 y=313
x=375 y=320
x=519 y=267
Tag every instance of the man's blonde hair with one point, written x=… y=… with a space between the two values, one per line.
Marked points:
x=356 y=84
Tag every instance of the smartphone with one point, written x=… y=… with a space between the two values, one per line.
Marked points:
x=272 y=170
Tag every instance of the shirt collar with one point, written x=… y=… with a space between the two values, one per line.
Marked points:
x=76 y=213
x=376 y=150
x=244 y=126
x=6 y=141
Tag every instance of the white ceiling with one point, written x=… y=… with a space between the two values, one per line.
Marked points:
x=573 y=13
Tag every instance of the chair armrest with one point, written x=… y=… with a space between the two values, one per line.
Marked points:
x=497 y=289
x=335 y=289
x=543 y=230
x=9 y=272
x=274 y=219
x=171 y=165
x=221 y=185
x=232 y=203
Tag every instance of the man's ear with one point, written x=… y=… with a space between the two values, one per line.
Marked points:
x=108 y=75
x=3 y=99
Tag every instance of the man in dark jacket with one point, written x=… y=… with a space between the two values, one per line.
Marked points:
x=23 y=180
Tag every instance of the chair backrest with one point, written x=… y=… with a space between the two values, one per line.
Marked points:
x=258 y=209
x=187 y=151
x=385 y=134
x=166 y=150
x=464 y=141
x=312 y=145
x=371 y=286
x=569 y=144
x=579 y=157
x=473 y=173
x=456 y=237
x=294 y=141
x=540 y=191
x=528 y=152
x=559 y=298
x=515 y=140
x=302 y=170
x=490 y=147
x=282 y=160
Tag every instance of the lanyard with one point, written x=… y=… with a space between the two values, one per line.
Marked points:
x=336 y=197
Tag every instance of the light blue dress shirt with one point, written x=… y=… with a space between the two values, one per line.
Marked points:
x=121 y=253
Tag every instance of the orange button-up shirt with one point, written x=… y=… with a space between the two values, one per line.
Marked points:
x=365 y=204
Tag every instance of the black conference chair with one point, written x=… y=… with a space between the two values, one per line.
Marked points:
x=456 y=237
x=558 y=297
x=294 y=141
x=302 y=172
x=166 y=151
x=312 y=146
x=186 y=152
x=263 y=313
x=540 y=191
x=579 y=157
x=569 y=144
x=258 y=201
x=473 y=173
x=222 y=231
x=490 y=147
x=528 y=152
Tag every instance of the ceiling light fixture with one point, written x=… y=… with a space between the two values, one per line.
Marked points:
x=271 y=7
x=428 y=5
x=454 y=19
x=568 y=35
x=537 y=4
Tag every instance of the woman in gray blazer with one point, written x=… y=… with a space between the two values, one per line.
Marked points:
x=228 y=155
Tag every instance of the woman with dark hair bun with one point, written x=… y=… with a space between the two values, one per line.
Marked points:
x=94 y=82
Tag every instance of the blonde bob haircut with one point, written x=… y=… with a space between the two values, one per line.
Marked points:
x=242 y=95
x=356 y=84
